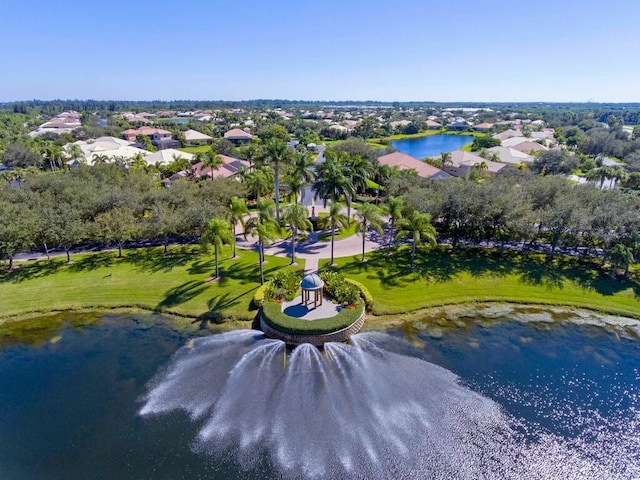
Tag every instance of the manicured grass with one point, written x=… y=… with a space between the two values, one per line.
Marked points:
x=199 y=149
x=174 y=283
x=274 y=316
x=341 y=233
x=441 y=277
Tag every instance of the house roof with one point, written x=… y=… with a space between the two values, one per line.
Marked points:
x=461 y=158
x=507 y=134
x=529 y=147
x=511 y=156
x=193 y=135
x=407 y=162
x=237 y=134
x=229 y=168
x=109 y=146
x=168 y=155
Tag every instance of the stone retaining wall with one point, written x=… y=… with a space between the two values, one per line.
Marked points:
x=317 y=340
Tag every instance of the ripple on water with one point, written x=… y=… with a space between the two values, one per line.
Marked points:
x=363 y=410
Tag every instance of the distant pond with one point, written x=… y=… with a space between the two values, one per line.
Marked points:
x=431 y=145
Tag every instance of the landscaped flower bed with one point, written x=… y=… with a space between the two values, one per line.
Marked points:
x=274 y=316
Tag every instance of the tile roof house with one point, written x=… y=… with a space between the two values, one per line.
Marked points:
x=483 y=127
x=433 y=125
x=403 y=161
x=508 y=134
x=462 y=163
x=168 y=155
x=229 y=168
x=511 y=156
x=529 y=147
x=161 y=139
x=193 y=137
x=109 y=148
x=237 y=135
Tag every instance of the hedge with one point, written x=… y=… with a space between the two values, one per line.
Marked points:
x=276 y=318
x=364 y=291
x=258 y=297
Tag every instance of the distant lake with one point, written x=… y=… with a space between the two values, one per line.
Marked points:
x=431 y=145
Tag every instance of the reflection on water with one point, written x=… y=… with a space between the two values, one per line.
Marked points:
x=492 y=399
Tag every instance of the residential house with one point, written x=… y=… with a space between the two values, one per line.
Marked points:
x=462 y=163
x=458 y=123
x=229 y=168
x=403 y=161
x=107 y=149
x=511 y=156
x=65 y=122
x=530 y=147
x=169 y=155
x=483 y=127
x=193 y=137
x=433 y=125
x=160 y=138
x=238 y=136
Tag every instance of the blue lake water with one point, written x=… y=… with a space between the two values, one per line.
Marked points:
x=502 y=398
x=432 y=145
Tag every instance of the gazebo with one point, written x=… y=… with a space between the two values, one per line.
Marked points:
x=312 y=283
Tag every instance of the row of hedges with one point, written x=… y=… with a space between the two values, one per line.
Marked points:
x=276 y=318
x=364 y=292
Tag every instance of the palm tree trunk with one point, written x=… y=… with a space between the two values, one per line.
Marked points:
x=364 y=236
x=413 y=252
x=234 y=240
x=46 y=251
x=216 y=255
x=348 y=208
x=10 y=262
x=119 y=250
x=261 y=260
x=277 y=180
x=333 y=236
x=294 y=233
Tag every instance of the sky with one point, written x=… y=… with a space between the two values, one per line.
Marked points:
x=411 y=50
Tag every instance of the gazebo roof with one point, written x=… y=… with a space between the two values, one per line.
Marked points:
x=311 y=281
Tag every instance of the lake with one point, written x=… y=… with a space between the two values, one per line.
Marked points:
x=71 y=393
x=431 y=145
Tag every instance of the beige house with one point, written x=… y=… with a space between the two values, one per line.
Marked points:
x=193 y=137
x=402 y=161
x=462 y=163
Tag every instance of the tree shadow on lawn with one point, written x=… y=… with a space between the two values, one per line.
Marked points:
x=182 y=293
x=30 y=271
x=153 y=259
x=217 y=305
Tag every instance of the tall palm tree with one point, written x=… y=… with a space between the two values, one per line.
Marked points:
x=357 y=170
x=418 y=225
x=394 y=208
x=237 y=210
x=218 y=234
x=295 y=215
x=301 y=172
x=260 y=182
x=213 y=161
x=331 y=182
x=266 y=229
x=277 y=154
x=334 y=220
x=368 y=216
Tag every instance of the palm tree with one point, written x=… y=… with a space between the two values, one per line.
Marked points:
x=237 y=210
x=357 y=170
x=334 y=220
x=601 y=174
x=445 y=159
x=418 y=225
x=277 y=153
x=618 y=174
x=218 y=234
x=265 y=227
x=331 y=182
x=394 y=208
x=301 y=172
x=213 y=161
x=368 y=216
x=295 y=215
x=259 y=182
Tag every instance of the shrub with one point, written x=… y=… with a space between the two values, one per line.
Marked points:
x=283 y=285
x=259 y=296
x=364 y=292
x=272 y=314
x=338 y=288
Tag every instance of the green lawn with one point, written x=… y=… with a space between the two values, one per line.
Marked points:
x=442 y=278
x=194 y=150
x=341 y=233
x=174 y=283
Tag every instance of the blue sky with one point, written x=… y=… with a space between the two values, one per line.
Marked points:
x=455 y=50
